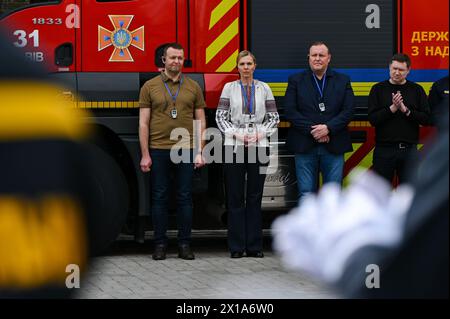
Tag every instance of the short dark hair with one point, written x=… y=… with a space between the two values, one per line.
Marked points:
x=173 y=45
x=316 y=43
x=402 y=58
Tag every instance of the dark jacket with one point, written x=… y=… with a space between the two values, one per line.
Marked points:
x=302 y=110
x=438 y=100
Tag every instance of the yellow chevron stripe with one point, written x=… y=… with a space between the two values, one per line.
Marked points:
x=229 y=64
x=219 y=11
x=365 y=163
x=356 y=146
x=222 y=40
x=426 y=86
x=359 y=88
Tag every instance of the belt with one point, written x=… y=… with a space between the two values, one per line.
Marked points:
x=399 y=145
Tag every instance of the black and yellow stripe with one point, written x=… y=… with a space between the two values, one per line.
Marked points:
x=108 y=104
x=218 y=43
x=359 y=88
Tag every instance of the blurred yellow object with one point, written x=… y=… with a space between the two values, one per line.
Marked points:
x=43 y=210
x=38 y=239
x=35 y=110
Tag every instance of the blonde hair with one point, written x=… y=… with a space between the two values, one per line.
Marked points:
x=245 y=53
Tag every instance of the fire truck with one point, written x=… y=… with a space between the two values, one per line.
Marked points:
x=103 y=51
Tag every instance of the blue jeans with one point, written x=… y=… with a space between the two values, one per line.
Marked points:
x=317 y=160
x=160 y=184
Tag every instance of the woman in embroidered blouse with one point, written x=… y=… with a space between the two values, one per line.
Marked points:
x=246 y=115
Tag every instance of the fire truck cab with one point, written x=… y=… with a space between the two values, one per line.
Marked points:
x=105 y=50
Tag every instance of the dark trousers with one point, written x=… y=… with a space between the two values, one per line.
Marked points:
x=391 y=160
x=160 y=179
x=244 y=196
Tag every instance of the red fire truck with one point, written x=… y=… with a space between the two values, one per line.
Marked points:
x=104 y=50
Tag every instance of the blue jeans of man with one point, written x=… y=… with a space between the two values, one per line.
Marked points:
x=318 y=160
x=160 y=180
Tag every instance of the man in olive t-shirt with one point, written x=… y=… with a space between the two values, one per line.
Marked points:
x=171 y=101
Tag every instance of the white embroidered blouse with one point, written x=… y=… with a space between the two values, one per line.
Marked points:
x=233 y=113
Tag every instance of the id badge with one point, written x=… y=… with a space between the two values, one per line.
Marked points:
x=322 y=107
x=250 y=128
x=174 y=113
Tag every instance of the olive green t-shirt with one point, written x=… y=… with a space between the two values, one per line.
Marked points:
x=155 y=96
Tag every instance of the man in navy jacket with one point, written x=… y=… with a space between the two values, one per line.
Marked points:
x=319 y=105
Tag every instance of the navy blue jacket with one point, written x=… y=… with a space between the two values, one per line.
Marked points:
x=302 y=111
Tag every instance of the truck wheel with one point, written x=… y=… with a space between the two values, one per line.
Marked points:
x=111 y=196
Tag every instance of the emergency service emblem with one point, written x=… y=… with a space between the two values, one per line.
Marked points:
x=121 y=38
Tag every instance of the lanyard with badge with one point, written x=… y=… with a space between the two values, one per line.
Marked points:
x=321 y=101
x=173 y=112
x=249 y=103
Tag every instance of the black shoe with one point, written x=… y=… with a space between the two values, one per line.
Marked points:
x=185 y=252
x=160 y=252
x=255 y=254
x=236 y=254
